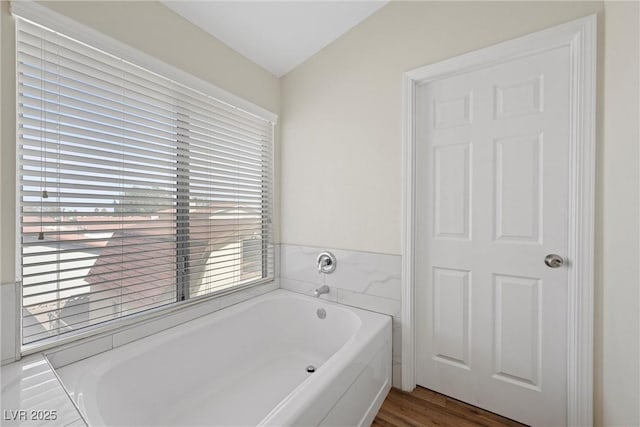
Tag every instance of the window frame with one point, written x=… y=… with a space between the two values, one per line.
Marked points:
x=41 y=15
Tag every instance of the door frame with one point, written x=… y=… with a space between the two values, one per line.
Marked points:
x=581 y=38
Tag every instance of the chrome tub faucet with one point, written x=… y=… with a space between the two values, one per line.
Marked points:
x=324 y=289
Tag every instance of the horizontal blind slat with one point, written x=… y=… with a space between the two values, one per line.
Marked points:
x=111 y=76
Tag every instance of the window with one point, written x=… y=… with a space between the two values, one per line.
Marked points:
x=136 y=191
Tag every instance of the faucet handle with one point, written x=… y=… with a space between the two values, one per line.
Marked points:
x=326 y=262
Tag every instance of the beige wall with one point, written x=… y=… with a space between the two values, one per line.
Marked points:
x=341 y=114
x=618 y=293
x=341 y=150
x=149 y=27
x=7 y=188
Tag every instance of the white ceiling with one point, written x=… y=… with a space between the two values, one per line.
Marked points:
x=277 y=35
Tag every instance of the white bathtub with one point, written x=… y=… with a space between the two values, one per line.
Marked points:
x=243 y=366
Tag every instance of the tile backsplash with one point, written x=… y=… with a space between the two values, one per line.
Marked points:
x=366 y=280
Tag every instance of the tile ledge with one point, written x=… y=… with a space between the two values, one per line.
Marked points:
x=11 y=373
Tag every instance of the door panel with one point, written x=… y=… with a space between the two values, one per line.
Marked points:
x=492 y=162
x=518 y=196
x=452 y=182
x=451 y=316
x=517 y=330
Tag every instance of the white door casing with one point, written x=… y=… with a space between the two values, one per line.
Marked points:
x=506 y=365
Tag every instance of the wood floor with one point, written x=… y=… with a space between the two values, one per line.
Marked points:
x=423 y=407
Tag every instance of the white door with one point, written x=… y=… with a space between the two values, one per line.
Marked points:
x=492 y=161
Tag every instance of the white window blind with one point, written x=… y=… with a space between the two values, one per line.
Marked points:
x=135 y=190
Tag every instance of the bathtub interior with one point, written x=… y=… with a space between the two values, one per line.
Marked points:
x=233 y=366
x=240 y=395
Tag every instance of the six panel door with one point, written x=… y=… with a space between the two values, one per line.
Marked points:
x=492 y=161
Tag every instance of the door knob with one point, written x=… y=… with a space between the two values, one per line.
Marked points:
x=553 y=260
